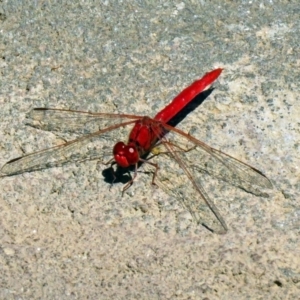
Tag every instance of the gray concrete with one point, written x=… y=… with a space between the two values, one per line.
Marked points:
x=65 y=235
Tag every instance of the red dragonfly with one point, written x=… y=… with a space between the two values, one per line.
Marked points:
x=173 y=152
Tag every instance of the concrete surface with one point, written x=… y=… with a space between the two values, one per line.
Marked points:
x=65 y=234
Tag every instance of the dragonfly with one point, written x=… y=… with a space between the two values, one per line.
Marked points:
x=179 y=162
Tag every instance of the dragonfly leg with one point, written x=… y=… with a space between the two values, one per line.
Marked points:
x=110 y=162
x=129 y=183
x=156 y=166
x=126 y=187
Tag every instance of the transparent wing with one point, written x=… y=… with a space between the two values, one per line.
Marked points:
x=74 y=121
x=98 y=144
x=184 y=163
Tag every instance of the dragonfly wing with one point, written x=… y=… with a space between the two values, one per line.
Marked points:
x=177 y=179
x=191 y=161
x=97 y=145
x=219 y=164
x=74 y=121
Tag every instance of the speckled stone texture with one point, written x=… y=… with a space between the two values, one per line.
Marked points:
x=65 y=234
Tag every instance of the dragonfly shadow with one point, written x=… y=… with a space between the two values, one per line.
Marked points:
x=120 y=175
x=198 y=100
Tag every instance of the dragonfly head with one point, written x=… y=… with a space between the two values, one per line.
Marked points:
x=125 y=155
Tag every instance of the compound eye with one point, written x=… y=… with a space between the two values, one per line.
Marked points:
x=119 y=153
x=132 y=154
x=119 y=148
